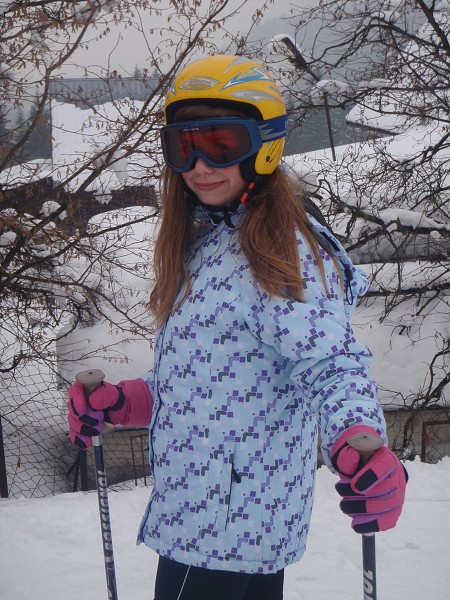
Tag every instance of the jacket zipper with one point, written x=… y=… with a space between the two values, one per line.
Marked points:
x=235 y=475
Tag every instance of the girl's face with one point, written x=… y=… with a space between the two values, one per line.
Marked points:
x=215 y=187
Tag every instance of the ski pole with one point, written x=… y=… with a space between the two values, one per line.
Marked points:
x=366 y=444
x=91 y=380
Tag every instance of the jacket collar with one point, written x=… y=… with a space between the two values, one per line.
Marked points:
x=215 y=215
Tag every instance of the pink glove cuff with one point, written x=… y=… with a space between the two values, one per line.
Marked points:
x=136 y=411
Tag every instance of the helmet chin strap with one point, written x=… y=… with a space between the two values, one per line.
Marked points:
x=252 y=187
x=217 y=214
x=224 y=212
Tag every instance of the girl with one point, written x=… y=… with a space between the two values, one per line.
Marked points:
x=254 y=354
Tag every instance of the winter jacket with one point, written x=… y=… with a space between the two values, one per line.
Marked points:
x=241 y=383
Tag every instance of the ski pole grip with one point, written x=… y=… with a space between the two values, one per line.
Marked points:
x=91 y=380
x=365 y=443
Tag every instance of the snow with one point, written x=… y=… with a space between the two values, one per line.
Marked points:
x=339 y=90
x=369 y=117
x=81 y=138
x=7 y=238
x=81 y=134
x=25 y=173
x=402 y=347
x=51 y=547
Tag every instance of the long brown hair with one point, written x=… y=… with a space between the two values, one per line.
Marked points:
x=268 y=238
x=267 y=235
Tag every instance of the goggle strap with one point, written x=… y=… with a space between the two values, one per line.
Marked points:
x=273 y=129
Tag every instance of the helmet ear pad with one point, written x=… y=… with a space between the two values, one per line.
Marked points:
x=269 y=156
x=264 y=162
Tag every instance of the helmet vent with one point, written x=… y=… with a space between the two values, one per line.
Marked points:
x=199 y=83
x=254 y=95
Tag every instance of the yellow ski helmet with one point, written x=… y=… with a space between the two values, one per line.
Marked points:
x=237 y=82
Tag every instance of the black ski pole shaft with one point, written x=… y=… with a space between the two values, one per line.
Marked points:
x=105 y=520
x=91 y=380
x=367 y=444
x=369 y=566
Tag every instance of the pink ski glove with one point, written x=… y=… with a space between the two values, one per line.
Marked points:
x=128 y=403
x=372 y=493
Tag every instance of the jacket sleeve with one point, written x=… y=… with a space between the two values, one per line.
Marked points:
x=329 y=366
x=148 y=379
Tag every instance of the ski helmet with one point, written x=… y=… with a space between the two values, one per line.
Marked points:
x=240 y=83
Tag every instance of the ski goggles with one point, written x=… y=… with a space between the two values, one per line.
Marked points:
x=219 y=142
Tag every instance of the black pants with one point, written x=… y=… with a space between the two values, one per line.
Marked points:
x=175 y=581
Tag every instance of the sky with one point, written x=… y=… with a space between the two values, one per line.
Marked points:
x=50 y=548
x=124 y=47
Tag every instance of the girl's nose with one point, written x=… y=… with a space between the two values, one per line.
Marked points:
x=201 y=166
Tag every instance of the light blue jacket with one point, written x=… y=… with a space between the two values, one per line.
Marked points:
x=240 y=385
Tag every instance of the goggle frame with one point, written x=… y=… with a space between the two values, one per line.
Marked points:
x=257 y=134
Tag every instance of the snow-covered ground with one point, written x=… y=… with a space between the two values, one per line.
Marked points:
x=50 y=548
